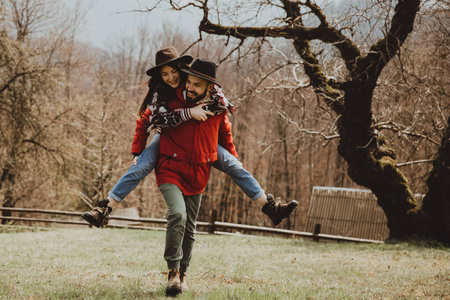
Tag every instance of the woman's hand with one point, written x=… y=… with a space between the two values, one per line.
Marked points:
x=135 y=160
x=199 y=114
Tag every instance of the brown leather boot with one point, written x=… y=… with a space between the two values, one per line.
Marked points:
x=183 y=278
x=99 y=216
x=277 y=210
x=173 y=287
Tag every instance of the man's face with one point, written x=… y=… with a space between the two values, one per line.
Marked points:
x=196 y=88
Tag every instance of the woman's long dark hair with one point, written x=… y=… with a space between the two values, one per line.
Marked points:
x=165 y=92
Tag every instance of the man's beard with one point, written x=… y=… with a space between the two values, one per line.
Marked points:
x=197 y=97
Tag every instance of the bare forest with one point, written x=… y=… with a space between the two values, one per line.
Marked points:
x=314 y=103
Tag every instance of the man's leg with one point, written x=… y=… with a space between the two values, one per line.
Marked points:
x=230 y=165
x=192 y=209
x=128 y=182
x=176 y=226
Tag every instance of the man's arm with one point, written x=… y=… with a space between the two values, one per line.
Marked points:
x=225 y=136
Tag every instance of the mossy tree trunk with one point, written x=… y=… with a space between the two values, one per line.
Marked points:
x=371 y=163
x=436 y=204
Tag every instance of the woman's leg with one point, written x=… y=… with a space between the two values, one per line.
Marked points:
x=145 y=164
x=230 y=165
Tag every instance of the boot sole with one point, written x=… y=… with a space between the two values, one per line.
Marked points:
x=90 y=219
x=173 y=291
x=292 y=205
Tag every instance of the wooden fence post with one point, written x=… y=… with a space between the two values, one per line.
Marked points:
x=316 y=232
x=212 y=220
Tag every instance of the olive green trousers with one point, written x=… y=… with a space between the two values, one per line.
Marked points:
x=181 y=223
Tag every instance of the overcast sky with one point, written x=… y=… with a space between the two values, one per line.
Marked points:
x=113 y=19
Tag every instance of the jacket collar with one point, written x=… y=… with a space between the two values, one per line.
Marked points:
x=181 y=93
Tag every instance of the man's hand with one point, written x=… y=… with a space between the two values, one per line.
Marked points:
x=199 y=114
x=135 y=160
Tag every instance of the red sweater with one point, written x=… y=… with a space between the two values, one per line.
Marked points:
x=187 y=151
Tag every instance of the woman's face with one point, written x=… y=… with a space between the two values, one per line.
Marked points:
x=170 y=76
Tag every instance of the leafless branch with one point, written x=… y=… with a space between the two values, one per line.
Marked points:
x=400 y=130
x=383 y=51
x=421 y=161
x=232 y=51
x=192 y=45
x=19 y=75
x=299 y=129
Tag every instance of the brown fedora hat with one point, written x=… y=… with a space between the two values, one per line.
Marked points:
x=203 y=69
x=165 y=56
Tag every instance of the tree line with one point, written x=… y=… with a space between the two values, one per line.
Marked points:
x=354 y=97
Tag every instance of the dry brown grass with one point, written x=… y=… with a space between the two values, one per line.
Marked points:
x=83 y=263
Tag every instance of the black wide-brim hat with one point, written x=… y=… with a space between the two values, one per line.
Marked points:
x=165 y=56
x=203 y=69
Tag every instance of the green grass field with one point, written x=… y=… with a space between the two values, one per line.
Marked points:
x=91 y=263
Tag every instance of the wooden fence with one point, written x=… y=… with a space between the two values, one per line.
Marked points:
x=347 y=212
x=210 y=227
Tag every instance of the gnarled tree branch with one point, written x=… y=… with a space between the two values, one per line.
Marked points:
x=370 y=67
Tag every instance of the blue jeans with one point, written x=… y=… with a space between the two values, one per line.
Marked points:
x=144 y=166
x=148 y=159
x=231 y=166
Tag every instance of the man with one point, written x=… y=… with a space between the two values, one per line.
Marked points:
x=187 y=152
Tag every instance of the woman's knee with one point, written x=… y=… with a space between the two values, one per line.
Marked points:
x=139 y=171
x=228 y=166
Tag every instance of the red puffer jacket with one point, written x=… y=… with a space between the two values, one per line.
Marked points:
x=217 y=104
x=187 y=151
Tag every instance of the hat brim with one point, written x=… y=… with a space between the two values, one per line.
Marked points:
x=186 y=59
x=200 y=75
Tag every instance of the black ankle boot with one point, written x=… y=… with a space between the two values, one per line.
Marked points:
x=278 y=211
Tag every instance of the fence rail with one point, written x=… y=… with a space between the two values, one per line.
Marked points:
x=212 y=227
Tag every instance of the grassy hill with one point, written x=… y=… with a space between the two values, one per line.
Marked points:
x=83 y=263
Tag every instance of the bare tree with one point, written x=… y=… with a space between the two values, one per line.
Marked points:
x=28 y=102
